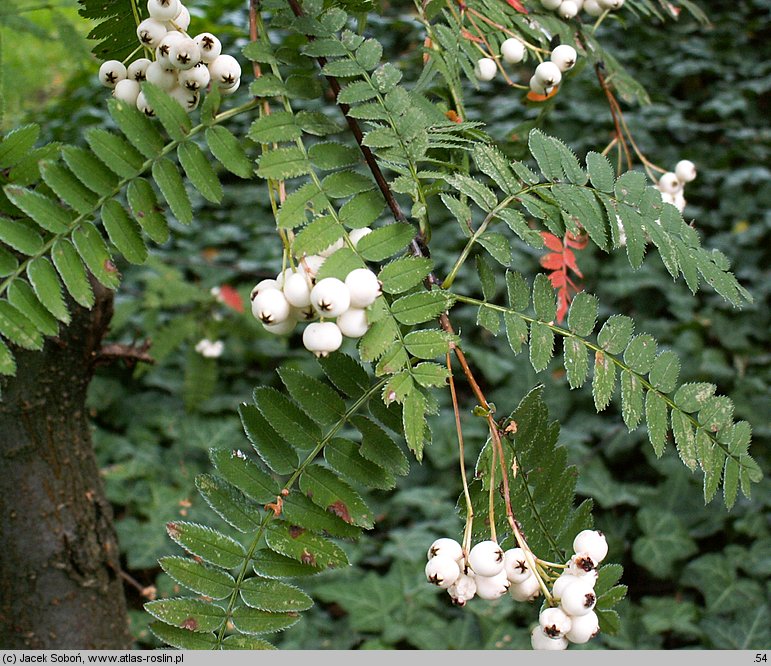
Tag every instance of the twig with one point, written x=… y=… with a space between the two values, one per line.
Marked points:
x=129 y=354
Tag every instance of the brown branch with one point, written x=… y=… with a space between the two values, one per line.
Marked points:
x=614 y=108
x=129 y=354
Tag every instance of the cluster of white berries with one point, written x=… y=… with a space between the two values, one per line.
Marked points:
x=547 y=75
x=181 y=65
x=489 y=572
x=295 y=296
x=672 y=183
x=569 y=9
x=210 y=349
x=574 y=620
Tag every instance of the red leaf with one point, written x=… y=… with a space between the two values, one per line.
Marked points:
x=570 y=262
x=576 y=242
x=551 y=241
x=557 y=280
x=552 y=261
x=231 y=298
x=515 y=4
x=563 y=302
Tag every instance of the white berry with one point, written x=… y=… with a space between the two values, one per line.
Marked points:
x=492 y=587
x=144 y=106
x=353 y=323
x=182 y=20
x=163 y=10
x=163 y=52
x=330 y=297
x=515 y=565
x=194 y=79
x=127 y=91
x=261 y=285
x=303 y=314
x=329 y=251
x=578 y=598
x=527 y=590
x=364 y=287
x=323 y=338
x=226 y=90
x=111 y=72
x=561 y=583
x=592 y=7
x=165 y=79
x=357 y=234
x=187 y=99
x=551 y=5
x=554 y=622
x=270 y=306
x=225 y=70
x=485 y=69
x=486 y=558
x=568 y=9
x=540 y=641
x=513 y=50
x=441 y=570
x=445 y=546
x=548 y=74
x=311 y=264
x=581 y=564
x=564 y=56
x=210 y=46
x=184 y=54
x=150 y=33
x=670 y=183
x=593 y=543
x=297 y=290
x=137 y=70
x=583 y=627
x=536 y=87
x=685 y=170
x=463 y=590
x=282 y=328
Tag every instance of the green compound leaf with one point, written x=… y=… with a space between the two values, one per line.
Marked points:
x=403 y=274
x=286 y=418
x=541 y=345
x=244 y=474
x=303 y=546
x=200 y=172
x=123 y=232
x=615 y=334
x=23 y=298
x=17 y=328
x=208 y=544
x=199 y=577
x=582 y=315
x=138 y=128
x=269 y=564
x=603 y=381
x=283 y=163
x=48 y=289
x=229 y=503
x=184 y=639
x=386 y=241
x=173 y=117
x=17 y=144
x=576 y=362
x=253 y=621
x=169 y=181
x=118 y=154
x=21 y=236
x=90 y=171
x=275 y=452
x=190 y=614
x=420 y=307
x=656 y=413
x=68 y=188
x=333 y=494
x=227 y=149
x=44 y=211
x=146 y=210
x=318 y=400
x=274 y=596
x=344 y=457
x=93 y=250
x=72 y=271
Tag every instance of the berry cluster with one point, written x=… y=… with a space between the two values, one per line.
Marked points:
x=210 y=349
x=489 y=572
x=672 y=183
x=547 y=75
x=295 y=296
x=181 y=65
x=574 y=619
x=569 y=9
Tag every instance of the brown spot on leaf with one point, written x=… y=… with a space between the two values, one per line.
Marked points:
x=190 y=624
x=308 y=558
x=173 y=530
x=295 y=531
x=340 y=510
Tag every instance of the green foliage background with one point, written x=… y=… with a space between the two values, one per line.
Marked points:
x=697 y=576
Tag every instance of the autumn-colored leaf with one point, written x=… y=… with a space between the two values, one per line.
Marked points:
x=537 y=97
x=518 y=6
x=558 y=261
x=227 y=295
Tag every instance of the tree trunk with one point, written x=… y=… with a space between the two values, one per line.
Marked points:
x=59 y=570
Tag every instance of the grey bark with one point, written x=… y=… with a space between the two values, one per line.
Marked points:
x=59 y=570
